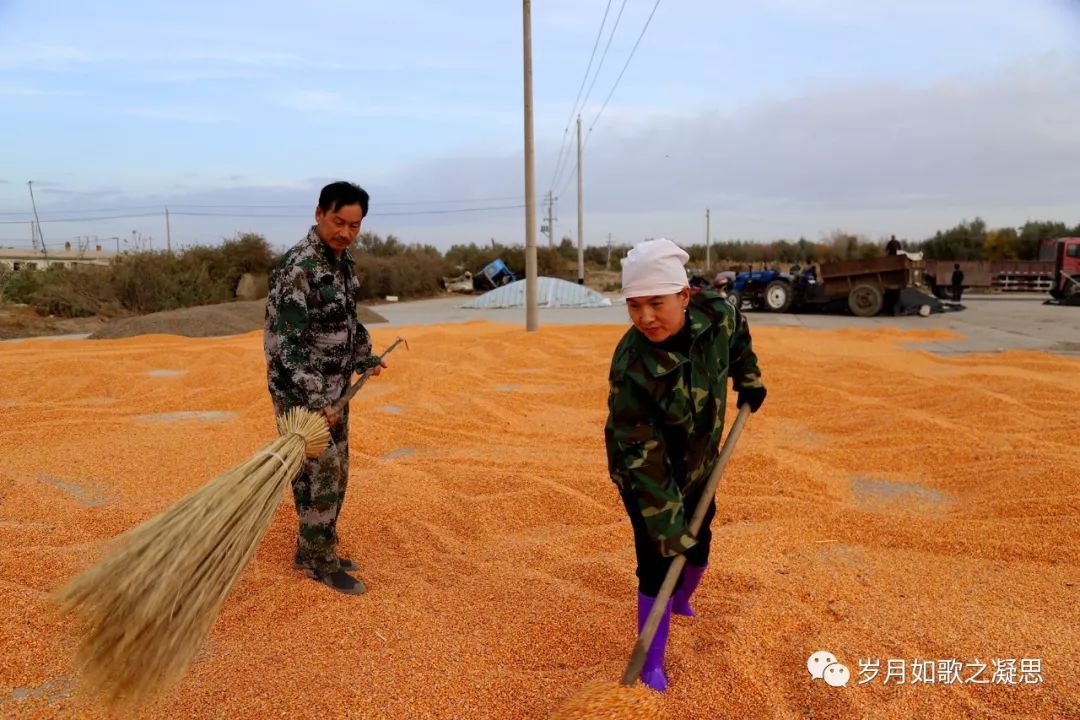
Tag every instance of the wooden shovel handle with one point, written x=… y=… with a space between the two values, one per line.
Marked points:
x=355 y=387
x=641 y=647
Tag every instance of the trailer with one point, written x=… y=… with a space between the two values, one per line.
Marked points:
x=862 y=285
x=1005 y=276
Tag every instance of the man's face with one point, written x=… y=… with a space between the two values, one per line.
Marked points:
x=658 y=317
x=339 y=228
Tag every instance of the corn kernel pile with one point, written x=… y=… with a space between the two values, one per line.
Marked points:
x=610 y=701
x=885 y=504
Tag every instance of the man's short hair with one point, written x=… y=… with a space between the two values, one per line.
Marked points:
x=339 y=194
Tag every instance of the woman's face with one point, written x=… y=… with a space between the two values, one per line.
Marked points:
x=658 y=317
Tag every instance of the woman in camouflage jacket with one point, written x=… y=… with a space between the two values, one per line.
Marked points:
x=668 y=390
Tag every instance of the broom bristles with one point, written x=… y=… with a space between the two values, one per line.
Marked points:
x=149 y=604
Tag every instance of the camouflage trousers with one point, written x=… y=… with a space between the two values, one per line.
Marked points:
x=318 y=493
x=652 y=567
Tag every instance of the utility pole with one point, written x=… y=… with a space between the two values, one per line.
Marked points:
x=168 y=233
x=580 y=214
x=548 y=227
x=708 y=244
x=607 y=266
x=551 y=220
x=37 y=220
x=531 y=320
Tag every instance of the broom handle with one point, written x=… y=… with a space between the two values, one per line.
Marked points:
x=641 y=647
x=355 y=387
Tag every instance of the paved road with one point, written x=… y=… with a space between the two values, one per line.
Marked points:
x=988 y=324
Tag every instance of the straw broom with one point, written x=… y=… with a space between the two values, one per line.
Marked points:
x=148 y=606
x=627 y=699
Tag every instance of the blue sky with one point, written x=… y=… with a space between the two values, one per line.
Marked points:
x=785 y=117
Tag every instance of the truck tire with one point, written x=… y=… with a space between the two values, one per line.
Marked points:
x=865 y=300
x=778 y=296
x=735 y=299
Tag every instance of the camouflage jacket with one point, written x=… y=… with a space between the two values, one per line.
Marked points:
x=666 y=413
x=311 y=338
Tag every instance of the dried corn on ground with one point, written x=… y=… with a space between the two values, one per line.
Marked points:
x=886 y=504
x=608 y=700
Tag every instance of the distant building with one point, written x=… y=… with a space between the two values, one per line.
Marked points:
x=28 y=259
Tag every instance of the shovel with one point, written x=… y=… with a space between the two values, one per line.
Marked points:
x=641 y=647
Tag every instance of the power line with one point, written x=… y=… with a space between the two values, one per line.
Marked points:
x=377 y=204
x=625 y=65
x=569 y=177
x=585 y=77
x=596 y=75
x=406 y=213
x=160 y=206
x=298 y=213
x=633 y=50
x=116 y=209
x=84 y=219
x=602 y=57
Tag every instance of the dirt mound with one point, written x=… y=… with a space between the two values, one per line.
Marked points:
x=21 y=321
x=233 y=318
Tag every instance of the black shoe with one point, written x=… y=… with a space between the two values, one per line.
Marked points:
x=343 y=582
x=346 y=564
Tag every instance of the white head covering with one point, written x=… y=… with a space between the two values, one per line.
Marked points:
x=654 y=267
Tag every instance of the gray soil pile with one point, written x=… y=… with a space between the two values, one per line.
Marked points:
x=233 y=318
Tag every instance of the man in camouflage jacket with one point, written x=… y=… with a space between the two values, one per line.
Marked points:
x=313 y=344
x=666 y=402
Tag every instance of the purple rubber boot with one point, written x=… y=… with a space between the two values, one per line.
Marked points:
x=680 y=599
x=652 y=672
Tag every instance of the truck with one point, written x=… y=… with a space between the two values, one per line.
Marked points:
x=1066 y=287
x=861 y=284
x=493 y=275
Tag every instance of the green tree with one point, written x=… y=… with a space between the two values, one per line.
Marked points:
x=1035 y=233
x=568 y=249
x=1002 y=244
x=843 y=246
x=20 y=285
x=372 y=244
x=962 y=242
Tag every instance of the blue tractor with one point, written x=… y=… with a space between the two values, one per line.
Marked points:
x=865 y=286
x=772 y=290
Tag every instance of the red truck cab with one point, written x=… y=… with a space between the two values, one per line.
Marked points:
x=1066 y=267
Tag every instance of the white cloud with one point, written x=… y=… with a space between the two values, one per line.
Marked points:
x=868 y=158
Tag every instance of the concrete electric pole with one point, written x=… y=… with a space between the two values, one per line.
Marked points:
x=37 y=220
x=532 y=323
x=708 y=243
x=580 y=214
